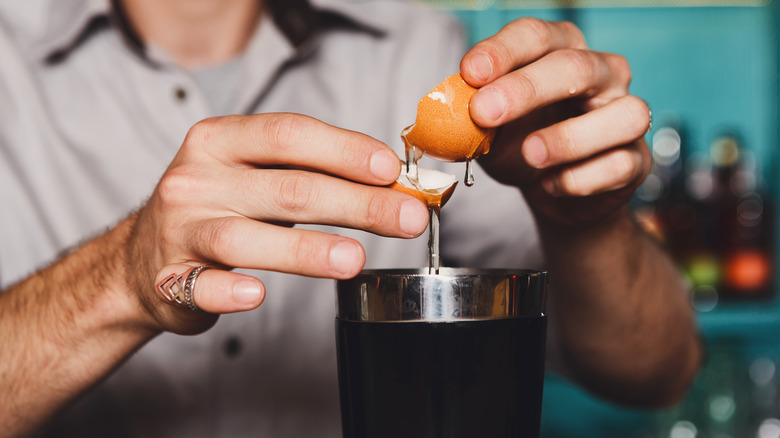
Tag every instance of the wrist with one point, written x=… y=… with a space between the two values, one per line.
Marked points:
x=618 y=223
x=75 y=318
x=120 y=303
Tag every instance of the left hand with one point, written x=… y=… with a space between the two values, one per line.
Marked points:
x=571 y=136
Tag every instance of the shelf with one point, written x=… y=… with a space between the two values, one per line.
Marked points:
x=756 y=323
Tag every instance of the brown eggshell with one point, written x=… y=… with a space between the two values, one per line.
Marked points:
x=433 y=195
x=444 y=129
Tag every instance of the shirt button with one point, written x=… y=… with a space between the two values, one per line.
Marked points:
x=232 y=347
x=180 y=93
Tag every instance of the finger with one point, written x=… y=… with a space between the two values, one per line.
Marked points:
x=244 y=243
x=295 y=140
x=218 y=291
x=306 y=197
x=292 y=196
x=560 y=75
x=517 y=44
x=613 y=170
x=620 y=122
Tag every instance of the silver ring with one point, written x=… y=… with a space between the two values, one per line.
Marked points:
x=178 y=288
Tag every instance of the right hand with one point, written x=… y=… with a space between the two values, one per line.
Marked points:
x=571 y=135
x=231 y=195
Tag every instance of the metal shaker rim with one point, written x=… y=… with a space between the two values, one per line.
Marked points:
x=385 y=295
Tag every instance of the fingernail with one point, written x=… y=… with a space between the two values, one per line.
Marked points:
x=384 y=165
x=344 y=257
x=481 y=67
x=535 y=152
x=247 y=292
x=490 y=103
x=414 y=217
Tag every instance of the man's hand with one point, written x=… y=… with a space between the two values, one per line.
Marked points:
x=234 y=190
x=571 y=136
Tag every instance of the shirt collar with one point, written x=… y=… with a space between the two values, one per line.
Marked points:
x=66 y=25
x=360 y=16
x=288 y=35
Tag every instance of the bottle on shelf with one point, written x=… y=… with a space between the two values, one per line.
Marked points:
x=712 y=210
x=744 y=221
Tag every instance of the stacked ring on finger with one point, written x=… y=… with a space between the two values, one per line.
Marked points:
x=178 y=288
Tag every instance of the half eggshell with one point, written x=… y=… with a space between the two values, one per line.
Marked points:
x=443 y=128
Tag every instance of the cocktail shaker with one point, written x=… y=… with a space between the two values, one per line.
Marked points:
x=454 y=354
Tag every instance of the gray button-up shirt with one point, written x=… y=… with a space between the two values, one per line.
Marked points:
x=89 y=120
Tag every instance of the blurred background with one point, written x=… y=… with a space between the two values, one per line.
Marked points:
x=708 y=70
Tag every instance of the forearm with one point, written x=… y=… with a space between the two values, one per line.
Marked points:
x=622 y=313
x=65 y=328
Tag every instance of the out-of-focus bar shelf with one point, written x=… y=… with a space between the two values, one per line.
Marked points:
x=749 y=323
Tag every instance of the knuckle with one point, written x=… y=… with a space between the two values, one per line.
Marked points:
x=177 y=185
x=353 y=150
x=202 y=132
x=295 y=191
x=566 y=142
x=282 y=131
x=575 y=34
x=525 y=88
x=570 y=183
x=539 y=29
x=623 y=167
x=621 y=69
x=637 y=115
x=304 y=250
x=581 y=64
x=220 y=238
x=375 y=212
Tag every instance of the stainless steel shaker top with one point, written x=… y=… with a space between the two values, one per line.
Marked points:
x=453 y=294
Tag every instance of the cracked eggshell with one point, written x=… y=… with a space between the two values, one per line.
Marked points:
x=437 y=186
x=444 y=129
